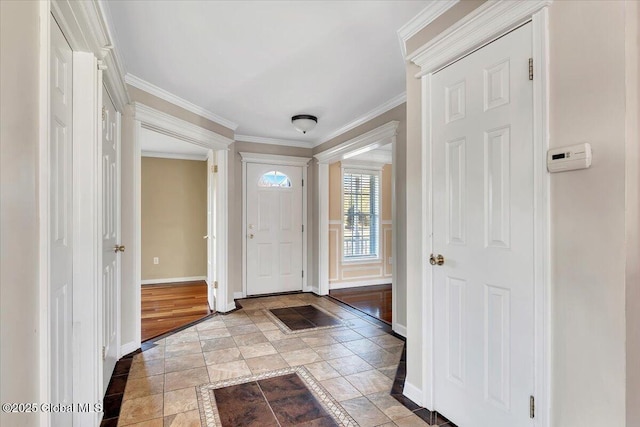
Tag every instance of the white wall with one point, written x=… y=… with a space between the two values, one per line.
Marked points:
x=19 y=241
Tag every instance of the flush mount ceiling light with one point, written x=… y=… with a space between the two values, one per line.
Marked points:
x=304 y=122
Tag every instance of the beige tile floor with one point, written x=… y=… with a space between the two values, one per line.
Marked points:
x=356 y=364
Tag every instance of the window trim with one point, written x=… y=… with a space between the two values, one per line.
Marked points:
x=372 y=170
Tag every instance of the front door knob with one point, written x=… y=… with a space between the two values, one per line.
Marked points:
x=118 y=248
x=436 y=260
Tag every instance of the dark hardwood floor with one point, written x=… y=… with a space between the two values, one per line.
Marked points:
x=172 y=305
x=373 y=300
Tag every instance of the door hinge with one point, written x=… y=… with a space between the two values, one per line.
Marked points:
x=104 y=352
x=214 y=168
x=303 y=182
x=532 y=407
x=104 y=113
x=303 y=228
x=530 y=68
x=215 y=284
x=302 y=273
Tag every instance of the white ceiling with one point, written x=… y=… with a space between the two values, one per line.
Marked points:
x=155 y=144
x=257 y=63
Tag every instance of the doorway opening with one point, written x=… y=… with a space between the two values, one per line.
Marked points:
x=174 y=224
x=360 y=232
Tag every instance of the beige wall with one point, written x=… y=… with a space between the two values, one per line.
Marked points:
x=587 y=215
x=633 y=212
x=174 y=218
x=19 y=284
x=398 y=113
x=340 y=273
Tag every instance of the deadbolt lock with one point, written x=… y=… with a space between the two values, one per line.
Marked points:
x=436 y=260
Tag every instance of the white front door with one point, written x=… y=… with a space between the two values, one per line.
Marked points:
x=61 y=225
x=274 y=228
x=110 y=236
x=483 y=225
x=211 y=229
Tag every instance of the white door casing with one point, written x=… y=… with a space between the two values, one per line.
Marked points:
x=110 y=232
x=61 y=224
x=274 y=230
x=211 y=227
x=483 y=225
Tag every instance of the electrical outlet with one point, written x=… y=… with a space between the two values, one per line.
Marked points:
x=156 y=260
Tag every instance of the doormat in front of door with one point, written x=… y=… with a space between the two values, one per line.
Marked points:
x=283 y=397
x=304 y=318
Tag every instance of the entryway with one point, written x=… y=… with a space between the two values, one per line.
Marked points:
x=274 y=218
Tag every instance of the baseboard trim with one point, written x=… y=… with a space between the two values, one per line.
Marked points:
x=412 y=392
x=344 y=285
x=400 y=330
x=127 y=348
x=173 y=280
x=238 y=295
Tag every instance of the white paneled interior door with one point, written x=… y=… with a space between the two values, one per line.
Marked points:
x=483 y=225
x=61 y=225
x=274 y=228
x=110 y=229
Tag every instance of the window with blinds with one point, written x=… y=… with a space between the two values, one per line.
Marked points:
x=361 y=210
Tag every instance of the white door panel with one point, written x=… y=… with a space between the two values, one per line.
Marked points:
x=61 y=225
x=274 y=229
x=483 y=225
x=110 y=236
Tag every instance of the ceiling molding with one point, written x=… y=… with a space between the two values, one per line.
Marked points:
x=421 y=20
x=373 y=139
x=274 y=159
x=85 y=25
x=166 y=124
x=273 y=141
x=481 y=26
x=137 y=82
x=173 y=156
x=381 y=109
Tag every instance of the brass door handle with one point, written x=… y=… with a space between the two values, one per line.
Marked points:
x=436 y=260
x=118 y=248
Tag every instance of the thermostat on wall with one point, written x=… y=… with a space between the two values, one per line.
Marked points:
x=569 y=158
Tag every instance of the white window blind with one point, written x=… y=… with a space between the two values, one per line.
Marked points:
x=361 y=210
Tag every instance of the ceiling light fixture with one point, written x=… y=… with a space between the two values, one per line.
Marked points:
x=304 y=122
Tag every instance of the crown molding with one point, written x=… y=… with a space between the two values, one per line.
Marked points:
x=172 y=126
x=421 y=20
x=381 y=109
x=274 y=159
x=86 y=27
x=375 y=138
x=481 y=26
x=144 y=85
x=273 y=141
x=173 y=156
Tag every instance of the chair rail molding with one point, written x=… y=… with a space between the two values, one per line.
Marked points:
x=483 y=25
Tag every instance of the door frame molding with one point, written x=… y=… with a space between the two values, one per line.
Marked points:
x=274 y=159
x=480 y=27
x=145 y=117
x=382 y=135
